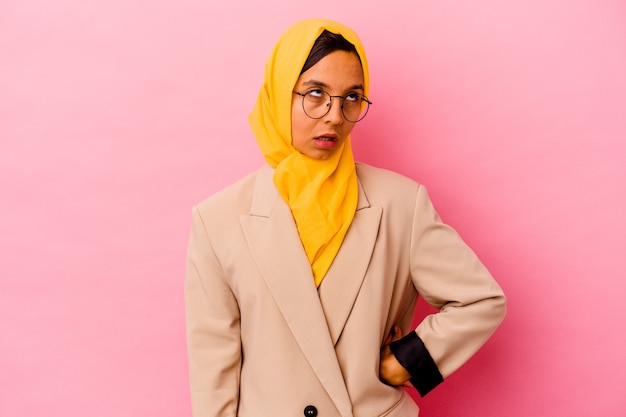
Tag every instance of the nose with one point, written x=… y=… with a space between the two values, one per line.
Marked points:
x=335 y=114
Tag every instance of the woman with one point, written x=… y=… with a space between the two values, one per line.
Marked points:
x=302 y=277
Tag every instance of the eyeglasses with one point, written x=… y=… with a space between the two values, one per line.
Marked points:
x=317 y=103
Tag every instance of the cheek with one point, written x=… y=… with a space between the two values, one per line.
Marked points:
x=347 y=128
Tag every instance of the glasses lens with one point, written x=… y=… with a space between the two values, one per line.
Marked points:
x=355 y=107
x=316 y=103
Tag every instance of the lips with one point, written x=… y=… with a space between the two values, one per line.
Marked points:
x=327 y=141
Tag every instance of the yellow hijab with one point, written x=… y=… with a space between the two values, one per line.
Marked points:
x=322 y=194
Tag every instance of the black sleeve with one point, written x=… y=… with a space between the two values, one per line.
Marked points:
x=413 y=355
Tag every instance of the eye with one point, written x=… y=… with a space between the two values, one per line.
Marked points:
x=317 y=93
x=353 y=97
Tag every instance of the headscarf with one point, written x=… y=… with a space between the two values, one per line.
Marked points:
x=322 y=194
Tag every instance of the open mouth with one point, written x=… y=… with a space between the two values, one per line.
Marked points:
x=326 y=142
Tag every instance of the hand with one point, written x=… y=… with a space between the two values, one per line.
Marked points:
x=390 y=371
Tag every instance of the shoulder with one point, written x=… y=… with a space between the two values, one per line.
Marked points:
x=385 y=182
x=400 y=197
x=233 y=199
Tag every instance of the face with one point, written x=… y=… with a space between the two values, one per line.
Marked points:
x=338 y=73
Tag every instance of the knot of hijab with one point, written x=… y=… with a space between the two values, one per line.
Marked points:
x=322 y=194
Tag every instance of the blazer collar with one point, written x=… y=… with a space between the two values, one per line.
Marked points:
x=266 y=195
x=316 y=319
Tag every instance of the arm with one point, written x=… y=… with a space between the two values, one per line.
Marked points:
x=213 y=336
x=449 y=276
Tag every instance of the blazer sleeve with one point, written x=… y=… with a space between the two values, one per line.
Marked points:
x=213 y=329
x=451 y=278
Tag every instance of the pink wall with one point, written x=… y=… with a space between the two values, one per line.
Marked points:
x=117 y=116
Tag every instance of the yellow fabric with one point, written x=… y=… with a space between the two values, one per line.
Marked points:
x=322 y=195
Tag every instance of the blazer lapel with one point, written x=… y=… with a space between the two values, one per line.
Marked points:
x=342 y=282
x=276 y=247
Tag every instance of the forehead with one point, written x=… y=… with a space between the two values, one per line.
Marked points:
x=337 y=70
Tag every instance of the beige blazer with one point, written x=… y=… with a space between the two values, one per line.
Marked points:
x=263 y=341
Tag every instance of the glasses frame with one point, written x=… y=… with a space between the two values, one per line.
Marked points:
x=330 y=105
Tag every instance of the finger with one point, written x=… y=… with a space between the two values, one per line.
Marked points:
x=396 y=333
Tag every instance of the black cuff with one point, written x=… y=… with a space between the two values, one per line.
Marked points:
x=413 y=355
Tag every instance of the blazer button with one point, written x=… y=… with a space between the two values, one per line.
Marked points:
x=310 y=411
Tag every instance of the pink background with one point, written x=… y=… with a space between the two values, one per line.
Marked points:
x=117 y=116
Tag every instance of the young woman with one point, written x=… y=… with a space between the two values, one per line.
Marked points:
x=303 y=276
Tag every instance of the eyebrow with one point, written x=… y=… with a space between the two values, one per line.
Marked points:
x=316 y=83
